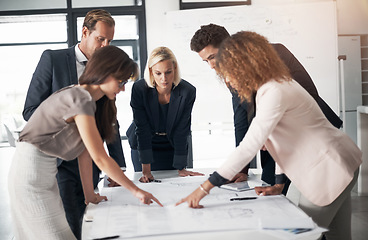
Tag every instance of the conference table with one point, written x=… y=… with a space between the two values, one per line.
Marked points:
x=257 y=217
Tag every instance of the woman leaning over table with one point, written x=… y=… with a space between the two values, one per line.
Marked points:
x=319 y=159
x=162 y=105
x=68 y=124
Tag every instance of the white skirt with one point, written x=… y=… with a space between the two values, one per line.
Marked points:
x=35 y=202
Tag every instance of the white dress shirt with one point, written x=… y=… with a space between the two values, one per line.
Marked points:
x=80 y=58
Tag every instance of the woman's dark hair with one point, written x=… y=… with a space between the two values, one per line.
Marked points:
x=105 y=62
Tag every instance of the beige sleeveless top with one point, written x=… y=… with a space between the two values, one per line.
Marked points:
x=48 y=130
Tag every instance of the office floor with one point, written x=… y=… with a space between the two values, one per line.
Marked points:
x=208 y=151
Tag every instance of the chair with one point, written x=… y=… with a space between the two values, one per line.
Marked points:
x=11 y=138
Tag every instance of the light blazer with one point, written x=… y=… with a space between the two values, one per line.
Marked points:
x=317 y=157
x=145 y=105
x=300 y=75
x=56 y=70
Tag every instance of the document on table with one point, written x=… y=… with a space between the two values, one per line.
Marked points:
x=123 y=215
x=244 y=186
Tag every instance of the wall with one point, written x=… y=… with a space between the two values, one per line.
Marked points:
x=155 y=21
x=352 y=17
x=315 y=47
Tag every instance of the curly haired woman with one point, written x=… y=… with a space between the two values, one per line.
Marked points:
x=319 y=159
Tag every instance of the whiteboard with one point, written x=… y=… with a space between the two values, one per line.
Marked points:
x=308 y=30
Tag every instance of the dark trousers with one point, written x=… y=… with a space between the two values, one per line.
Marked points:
x=162 y=154
x=268 y=170
x=71 y=192
x=163 y=160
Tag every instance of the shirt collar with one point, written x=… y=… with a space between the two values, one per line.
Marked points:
x=79 y=55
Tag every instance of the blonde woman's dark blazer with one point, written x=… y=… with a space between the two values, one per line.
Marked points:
x=145 y=105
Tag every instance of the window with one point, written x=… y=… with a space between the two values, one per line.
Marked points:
x=29 y=32
x=21 y=49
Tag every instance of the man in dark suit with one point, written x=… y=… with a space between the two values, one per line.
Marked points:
x=58 y=69
x=206 y=42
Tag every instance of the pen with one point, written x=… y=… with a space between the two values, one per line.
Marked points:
x=243 y=198
x=155 y=180
x=110 y=237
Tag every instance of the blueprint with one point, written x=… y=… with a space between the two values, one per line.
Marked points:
x=123 y=215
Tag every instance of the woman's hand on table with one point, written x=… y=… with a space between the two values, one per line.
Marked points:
x=196 y=196
x=146 y=197
x=272 y=190
x=193 y=199
x=184 y=173
x=94 y=198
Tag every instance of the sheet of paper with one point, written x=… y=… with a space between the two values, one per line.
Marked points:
x=294 y=234
x=244 y=186
x=125 y=216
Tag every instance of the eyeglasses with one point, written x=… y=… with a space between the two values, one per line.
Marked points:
x=122 y=83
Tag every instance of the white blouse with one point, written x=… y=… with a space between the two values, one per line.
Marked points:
x=318 y=158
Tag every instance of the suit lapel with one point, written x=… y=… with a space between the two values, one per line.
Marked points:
x=175 y=100
x=153 y=104
x=72 y=68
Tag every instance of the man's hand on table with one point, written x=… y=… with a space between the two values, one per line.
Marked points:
x=112 y=183
x=273 y=190
x=184 y=173
x=240 y=177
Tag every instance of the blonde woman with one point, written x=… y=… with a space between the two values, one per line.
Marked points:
x=162 y=105
x=318 y=158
